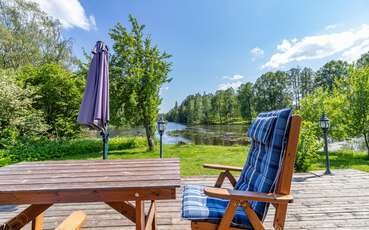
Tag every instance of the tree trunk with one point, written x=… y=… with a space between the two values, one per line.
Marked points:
x=149 y=137
x=366 y=138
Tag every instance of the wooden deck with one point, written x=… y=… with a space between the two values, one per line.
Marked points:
x=329 y=202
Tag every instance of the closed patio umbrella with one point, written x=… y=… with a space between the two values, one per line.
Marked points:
x=94 y=109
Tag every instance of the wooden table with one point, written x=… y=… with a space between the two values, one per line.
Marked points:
x=115 y=182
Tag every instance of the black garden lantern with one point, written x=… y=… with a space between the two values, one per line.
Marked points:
x=324 y=125
x=161 y=129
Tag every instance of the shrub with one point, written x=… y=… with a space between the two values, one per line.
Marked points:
x=18 y=119
x=45 y=149
x=59 y=96
x=307 y=151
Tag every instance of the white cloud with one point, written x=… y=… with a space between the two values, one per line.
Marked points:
x=256 y=52
x=356 y=51
x=70 y=13
x=331 y=27
x=228 y=85
x=234 y=77
x=347 y=44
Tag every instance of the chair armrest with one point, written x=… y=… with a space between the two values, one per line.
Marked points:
x=222 y=167
x=230 y=194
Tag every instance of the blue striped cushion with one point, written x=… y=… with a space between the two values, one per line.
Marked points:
x=197 y=206
x=259 y=174
x=260 y=130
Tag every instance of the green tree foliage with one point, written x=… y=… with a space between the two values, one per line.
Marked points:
x=330 y=74
x=18 y=118
x=245 y=98
x=300 y=83
x=138 y=70
x=219 y=108
x=29 y=36
x=307 y=78
x=358 y=101
x=363 y=61
x=333 y=104
x=58 y=94
x=271 y=91
x=308 y=147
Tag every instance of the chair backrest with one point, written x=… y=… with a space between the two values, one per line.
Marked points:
x=269 y=133
x=288 y=163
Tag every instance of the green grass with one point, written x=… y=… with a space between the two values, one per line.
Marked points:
x=192 y=156
x=344 y=159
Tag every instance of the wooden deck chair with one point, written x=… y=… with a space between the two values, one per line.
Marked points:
x=73 y=222
x=265 y=179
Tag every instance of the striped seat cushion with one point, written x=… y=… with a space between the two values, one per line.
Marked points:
x=268 y=134
x=197 y=206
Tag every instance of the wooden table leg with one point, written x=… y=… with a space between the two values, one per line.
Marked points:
x=38 y=222
x=29 y=214
x=140 y=215
x=153 y=209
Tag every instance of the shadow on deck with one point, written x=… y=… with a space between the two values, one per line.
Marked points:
x=340 y=201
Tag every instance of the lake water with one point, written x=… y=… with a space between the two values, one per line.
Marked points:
x=199 y=134
x=216 y=135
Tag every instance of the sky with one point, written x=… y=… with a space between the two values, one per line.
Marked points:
x=219 y=44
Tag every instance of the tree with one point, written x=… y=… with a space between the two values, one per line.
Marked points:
x=358 y=101
x=330 y=73
x=206 y=106
x=232 y=109
x=294 y=82
x=197 y=110
x=245 y=98
x=18 y=119
x=271 y=92
x=58 y=94
x=29 y=36
x=333 y=104
x=218 y=107
x=363 y=61
x=138 y=70
x=307 y=78
x=172 y=115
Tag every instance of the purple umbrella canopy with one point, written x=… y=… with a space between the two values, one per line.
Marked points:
x=94 y=109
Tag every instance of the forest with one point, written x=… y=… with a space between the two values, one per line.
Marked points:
x=338 y=88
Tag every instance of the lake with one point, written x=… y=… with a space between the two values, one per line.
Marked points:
x=217 y=135
x=197 y=134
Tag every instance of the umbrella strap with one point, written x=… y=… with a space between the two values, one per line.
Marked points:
x=105 y=135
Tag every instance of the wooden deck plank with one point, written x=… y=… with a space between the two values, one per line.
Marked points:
x=329 y=202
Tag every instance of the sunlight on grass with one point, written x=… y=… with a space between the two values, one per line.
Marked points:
x=344 y=159
x=192 y=156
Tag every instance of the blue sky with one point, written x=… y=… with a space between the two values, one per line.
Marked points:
x=218 y=44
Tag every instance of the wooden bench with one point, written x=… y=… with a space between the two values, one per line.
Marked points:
x=73 y=222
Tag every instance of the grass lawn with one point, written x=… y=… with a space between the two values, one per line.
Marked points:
x=344 y=159
x=192 y=156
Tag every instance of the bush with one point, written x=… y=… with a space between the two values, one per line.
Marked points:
x=307 y=151
x=59 y=96
x=18 y=119
x=45 y=149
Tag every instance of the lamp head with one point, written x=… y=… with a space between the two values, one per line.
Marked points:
x=161 y=125
x=324 y=122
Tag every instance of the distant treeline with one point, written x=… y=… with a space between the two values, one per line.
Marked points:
x=272 y=90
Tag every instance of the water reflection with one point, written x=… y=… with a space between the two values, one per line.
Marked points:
x=176 y=133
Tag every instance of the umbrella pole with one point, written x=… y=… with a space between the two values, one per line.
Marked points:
x=105 y=136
